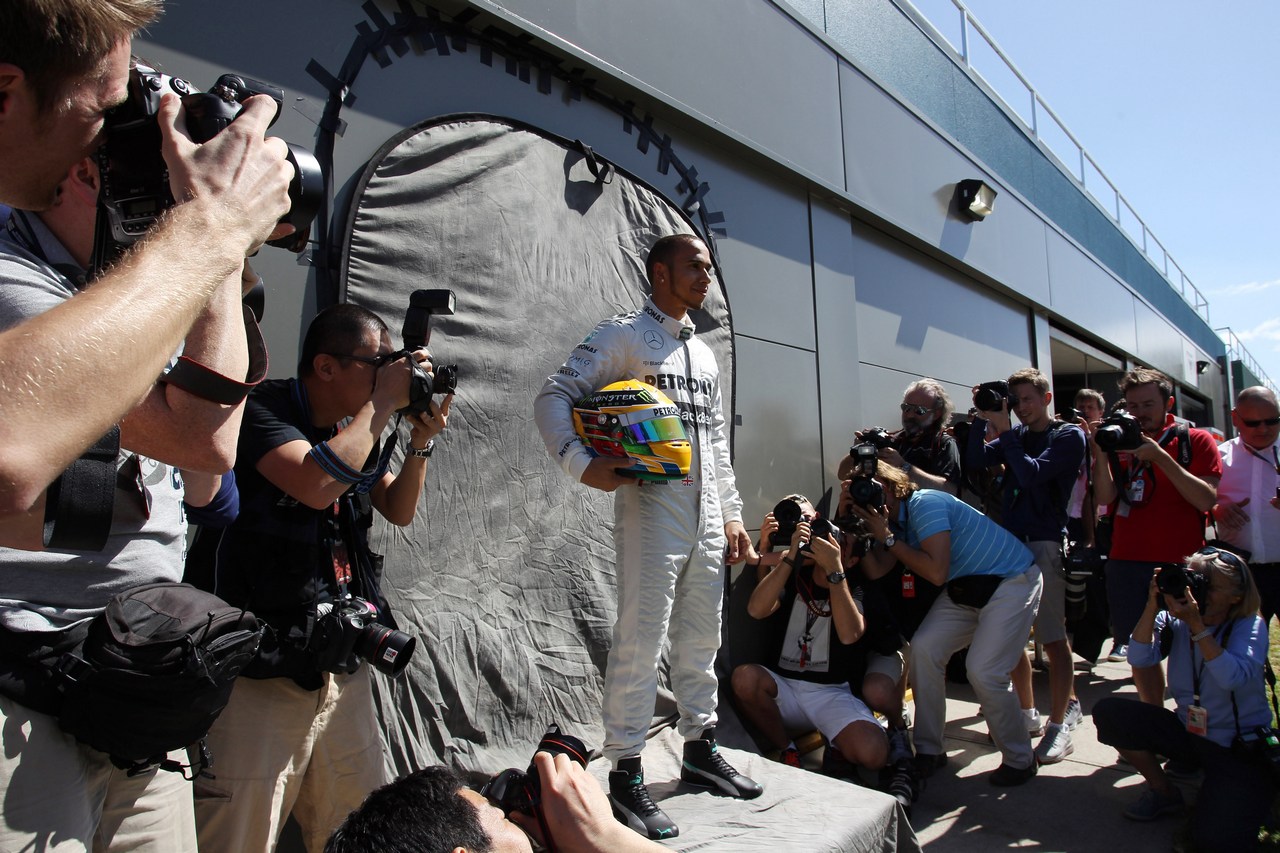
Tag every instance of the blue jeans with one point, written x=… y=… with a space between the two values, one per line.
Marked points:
x=1128 y=582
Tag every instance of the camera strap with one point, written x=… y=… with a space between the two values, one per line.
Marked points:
x=204 y=382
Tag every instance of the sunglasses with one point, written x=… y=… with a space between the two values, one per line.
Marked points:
x=1229 y=559
x=919 y=410
x=374 y=360
x=1261 y=422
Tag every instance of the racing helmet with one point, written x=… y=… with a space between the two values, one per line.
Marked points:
x=630 y=418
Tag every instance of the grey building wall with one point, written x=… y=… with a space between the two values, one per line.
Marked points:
x=848 y=272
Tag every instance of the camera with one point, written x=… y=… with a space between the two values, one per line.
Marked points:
x=346 y=632
x=788 y=514
x=864 y=490
x=1070 y=415
x=135 y=180
x=992 y=396
x=1080 y=562
x=1174 y=581
x=1118 y=431
x=877 y=437
x=416 y=332
x=1260 y=743
x=515 y=790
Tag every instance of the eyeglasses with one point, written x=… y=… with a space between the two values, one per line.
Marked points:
x=1260 y=422
x=374 y=360
x=919 y=410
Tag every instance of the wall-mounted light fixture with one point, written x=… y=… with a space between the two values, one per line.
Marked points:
x=1201 y=367
x=975 y=199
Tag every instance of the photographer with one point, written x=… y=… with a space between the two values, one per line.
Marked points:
x=993 y=590
x=62 y=65
x=45 y=594
x=300 y=733
x=817 y=655
x=430 y=811
x=922 y=448
x=1248 y=508
x=1041 y=458
x=1217 y=646
x=1162 y=480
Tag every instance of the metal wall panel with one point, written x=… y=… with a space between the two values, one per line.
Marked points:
x=1086 y=295
x=919 y=317
x=836 y=299
x=776 y=443
x=743 y=64
x=906 y=172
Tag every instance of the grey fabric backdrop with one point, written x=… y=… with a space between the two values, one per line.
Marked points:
x=506 y=575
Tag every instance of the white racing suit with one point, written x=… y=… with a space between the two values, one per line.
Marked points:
x=669 y=537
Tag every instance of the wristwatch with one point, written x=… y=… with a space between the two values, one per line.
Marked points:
x=424 y=452
x=890 y=541
x=835 y=578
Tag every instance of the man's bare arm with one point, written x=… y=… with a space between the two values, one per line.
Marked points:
x=70 y=374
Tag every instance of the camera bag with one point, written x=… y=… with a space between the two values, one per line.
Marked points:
x=973 y=590
x=153 y=672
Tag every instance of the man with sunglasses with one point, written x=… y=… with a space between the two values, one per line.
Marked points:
x=1248 y=508
x=922 y=448
x=300 y=734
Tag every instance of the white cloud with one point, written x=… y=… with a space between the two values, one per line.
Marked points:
x=1246 y=289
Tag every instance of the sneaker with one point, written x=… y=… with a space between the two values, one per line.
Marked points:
x=926 y=763
x=1074 y=715
x=1055 y=745
x=1035 y=724
x=904 y=786
x=705 y=767
x=899 y=745
x=1152 y=805
x=1005 y=776
x=790 y=757
x=632 y=804
x=1118 y=654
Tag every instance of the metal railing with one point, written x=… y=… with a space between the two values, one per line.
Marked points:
x=1236 y=352
x=1084 y=169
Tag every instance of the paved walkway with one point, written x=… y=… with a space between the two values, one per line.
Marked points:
x=1074 y=805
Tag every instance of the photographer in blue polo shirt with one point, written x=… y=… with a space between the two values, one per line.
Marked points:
x=992 y=593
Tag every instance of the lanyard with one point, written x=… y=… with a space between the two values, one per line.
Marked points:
x=1275 y=453
x=1196 y=673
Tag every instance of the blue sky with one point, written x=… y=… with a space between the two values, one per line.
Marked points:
x=1179 y=105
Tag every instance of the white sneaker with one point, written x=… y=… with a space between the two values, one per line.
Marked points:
x=1119 y=653
x=1035 y=725
x=1055 y=745
x=1074 y=715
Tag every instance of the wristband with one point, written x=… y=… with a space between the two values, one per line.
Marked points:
x=790 y=562
x=204 y=382
x=1207 y=632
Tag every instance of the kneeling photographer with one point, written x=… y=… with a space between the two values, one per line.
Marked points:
x=300 y=734
x=1205 y=618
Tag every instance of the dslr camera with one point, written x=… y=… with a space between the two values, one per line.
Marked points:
x=135 y=180
x=1174 y=581
x=347 y=632
x=515 y=790
x=877 y=437
x=416 y=332
x=1118 y=431
x=991 y=395
x=864 y=490
x=789 y=515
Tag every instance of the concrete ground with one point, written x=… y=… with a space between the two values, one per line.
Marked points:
x=1074 y=806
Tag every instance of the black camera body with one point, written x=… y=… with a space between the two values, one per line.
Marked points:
x=992 y=396
x=1174 y=581
x=347 y=632
x=135 y=179
x=514 y=790
x=1070 y=415
x=1118 y=431
x=789 y=515
x=877 y=437
x=864 y=490
x=416 y=333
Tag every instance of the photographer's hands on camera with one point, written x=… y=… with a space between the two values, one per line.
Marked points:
x=240 y=176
